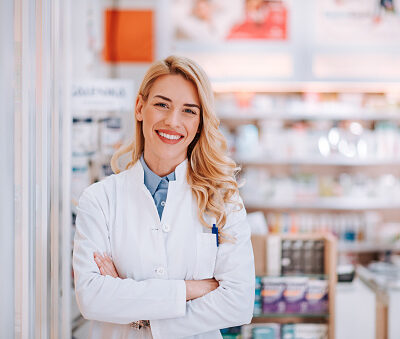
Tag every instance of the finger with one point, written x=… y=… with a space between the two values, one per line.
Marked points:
x=106 y=270
x=102 y=265
x=101 y=260
x=96 y=254
x=107 y=262
x=110 y=264
x=98 y=262
x=109 y=267
x=106 y=256
x=112 y=270
x=98 y=258
x=102 y=272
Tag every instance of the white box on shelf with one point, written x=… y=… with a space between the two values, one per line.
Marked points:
x=273 y=264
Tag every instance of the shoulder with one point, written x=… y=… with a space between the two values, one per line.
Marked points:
x=235 y=212
x=236 y=224
x=235 y=206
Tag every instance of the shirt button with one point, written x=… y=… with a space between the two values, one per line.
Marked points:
x=160 y=270
x=162 y=203
x=166 y=227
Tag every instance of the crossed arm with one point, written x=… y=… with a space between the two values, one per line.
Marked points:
x=211 y=304
x=194 y=288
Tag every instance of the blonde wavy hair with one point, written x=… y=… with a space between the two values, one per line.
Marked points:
x=211 y=173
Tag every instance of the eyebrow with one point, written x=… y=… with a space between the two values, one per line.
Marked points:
x=169 y=100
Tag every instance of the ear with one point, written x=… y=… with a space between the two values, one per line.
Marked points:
x=139 y=108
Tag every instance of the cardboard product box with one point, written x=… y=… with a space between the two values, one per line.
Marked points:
x=272 y=294
x=317 y=296
x=304 y=331
x=261 y=331
x=258 y=297
x=294 y=296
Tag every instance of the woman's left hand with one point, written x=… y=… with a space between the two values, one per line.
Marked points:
x=105 y=264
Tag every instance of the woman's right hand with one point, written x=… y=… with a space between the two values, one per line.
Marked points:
x=105 y=265
x=197 y=288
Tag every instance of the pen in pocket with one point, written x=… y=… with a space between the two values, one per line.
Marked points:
x=214 y=230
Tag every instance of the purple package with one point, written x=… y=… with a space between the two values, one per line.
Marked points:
x=295 y=294
x=272 y=295
x=317 y=296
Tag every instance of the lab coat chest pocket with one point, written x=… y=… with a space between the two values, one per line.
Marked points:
x=206 y=248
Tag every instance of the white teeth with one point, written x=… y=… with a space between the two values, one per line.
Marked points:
x=169 y=136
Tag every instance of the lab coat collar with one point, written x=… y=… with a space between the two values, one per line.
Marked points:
x=180 y=172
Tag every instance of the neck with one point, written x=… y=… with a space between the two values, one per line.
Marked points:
x=161 y=166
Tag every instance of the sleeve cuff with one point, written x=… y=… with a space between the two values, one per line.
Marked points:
x=156 y=325
x=181 y=298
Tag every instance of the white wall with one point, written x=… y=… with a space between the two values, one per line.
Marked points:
x=6 y=170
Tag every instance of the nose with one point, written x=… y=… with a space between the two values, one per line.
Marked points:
x=173 y=118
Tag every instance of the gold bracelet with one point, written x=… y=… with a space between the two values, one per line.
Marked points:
x=140 y=324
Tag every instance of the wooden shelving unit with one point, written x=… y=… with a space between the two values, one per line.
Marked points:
x=260 y=246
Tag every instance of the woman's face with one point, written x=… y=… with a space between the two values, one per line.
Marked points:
x=171 y=118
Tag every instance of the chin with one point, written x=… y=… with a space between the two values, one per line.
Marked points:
x=173 y=155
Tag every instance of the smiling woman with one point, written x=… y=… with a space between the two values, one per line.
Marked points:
x=162 y=249
x=170 y=116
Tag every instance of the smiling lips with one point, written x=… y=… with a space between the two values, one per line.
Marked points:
x=169 y=137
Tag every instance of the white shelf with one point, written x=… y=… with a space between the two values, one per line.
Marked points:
x=365 y=247
x=251 y=115
x=304 y=86
x=342 y=204
x=321 y=161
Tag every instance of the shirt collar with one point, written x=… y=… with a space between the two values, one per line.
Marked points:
x=152 y=180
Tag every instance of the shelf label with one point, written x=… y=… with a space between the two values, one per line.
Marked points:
x=103 y=95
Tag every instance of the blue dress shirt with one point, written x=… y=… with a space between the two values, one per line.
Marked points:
x=157 y=186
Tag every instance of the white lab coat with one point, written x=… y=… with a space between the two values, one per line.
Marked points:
x=118 y=216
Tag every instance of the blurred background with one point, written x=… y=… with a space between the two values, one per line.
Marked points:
x=308 y=95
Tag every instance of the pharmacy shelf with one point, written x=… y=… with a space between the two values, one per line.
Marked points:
x=303 y=86
x=319 y=161
x=289 y=318
x=286 y=316
x=241 y=116
x=366 y=247
x=298 y=275
x=340 y=204
x=376 y=281
x=261 y=245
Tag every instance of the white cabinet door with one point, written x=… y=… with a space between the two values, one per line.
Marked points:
x=355 y=311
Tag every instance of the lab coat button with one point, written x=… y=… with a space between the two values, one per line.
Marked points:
x=166 y=228
x=160 y=270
